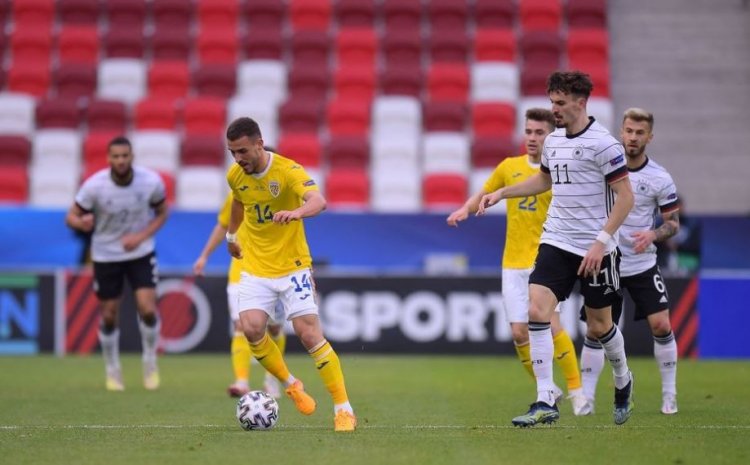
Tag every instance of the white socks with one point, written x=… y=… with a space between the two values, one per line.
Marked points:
x=614 y=347
x=592 y=364
x=149 y=340
x=665 y=352
x=542 y=354
x=110 y=344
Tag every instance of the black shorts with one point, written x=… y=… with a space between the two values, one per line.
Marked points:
x=557 y=270
x=109 y=277
x=648 y=291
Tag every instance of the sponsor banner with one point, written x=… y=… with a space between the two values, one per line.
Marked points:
x=26 y=313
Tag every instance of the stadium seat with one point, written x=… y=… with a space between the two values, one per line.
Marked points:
x=78 y=11
x=448 y=46
x=107 y=116
x=495 y=45
x=396 y=191
x=264 y=111
x=541 y=49
x=401 y=15
x=218 y=46
x=218 y=80
x=155 y=112
x=14 y=151
x=124 y=14
x=602 y=109
x=348 y=189
x=534 y=79
x=302 y=147
x=200 y=188
x=348 y=116
x=263 y=43
x=355 y=82
x=348 y=152
x=95 y=151
x=393 y=115
x=448 y=82
x=587 y=13
x=49 y=189
x=29 y=78
x=33 y=15
x=444 y=191
x=544 y=15
x=494 y=82
x=310 y=14
x=119 y=41
x=309 y=84
x=217 y=14
x=14 y=184
x=309 y=48
x=490 y=118
x=268 y=14
x=121 y=79
x=78 y=44
x=587 y=47
x=76 y=80
x=205 y=115
x=599 y=75
x=525 y=103
x=405 y=80
x=204 y=150
x=448 y=15
x=16 y=113
x=300 y=115
x=266 y=78
x=446 y=152
x=171 y=44
x=59 y=149
x=172 y=14
x=356 y=47
x=169 y=187
x=494 y=14
x=168 y=79
x=58 y=113
x=401 y=151
x=444 y=116
x=402 y=47
x=4 y=10
x=355 y=13
x=31 y=46
x=156 y=149
x=488 y=150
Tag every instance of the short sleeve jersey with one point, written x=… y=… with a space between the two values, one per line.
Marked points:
x=582 y=167
x=525 y=215
x=119 y=210
x=655 y=193
x=272 y=250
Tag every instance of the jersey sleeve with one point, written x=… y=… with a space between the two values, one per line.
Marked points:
x=226 y=210
x=85 y=196
x=611 y=161
x=496 y=180
x=544 y=159
x=300 y=181
x=159 y=194
x=667 y=197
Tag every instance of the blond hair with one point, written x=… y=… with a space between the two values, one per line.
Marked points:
x=639 y=115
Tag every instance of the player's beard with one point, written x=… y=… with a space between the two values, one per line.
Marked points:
x=635 y=152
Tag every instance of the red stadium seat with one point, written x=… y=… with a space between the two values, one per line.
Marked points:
x=4 y=10
x=33 y=45
x=14 y=151
x=348 y=188
x=302 y=147
x=309 y=83
x=107 y=116
x=495 y=45
x=78 y=44
x=448 y=82
x=444 y=116
x=36 y=15
x=204 y=150
x=14 y=184
x=76 y=80
x=267 y=14
x=155 y=113
x=121 y=42
x=171 y=44
x=444 y=191
x=402 y=80
x=58 y=113
x=401 y=15
x=263 y=42
x=205 y=115
x=356 y=82
x=300 y=115
x=356 y=46
x=169 y=186
x=534 y=79
x=172 y=14
x=599 y=74
x=349 y=116
x=489 y=119
x=216 y=14
x=168 y=79
x=78 y=11
x=95 y=150
x=448 y=46
x=29 y=77
x=587 y=46
x=310 y=14
x=218 y=46
x=541 y=49
x=218 y=80
x=310 y=48
x=448 y=15
x=587 y=13
x=348 y=152
x=402 y=47
x=487 y=151
x=355 y=13
x=126 y=13
x=545 y=15
x=495 y=14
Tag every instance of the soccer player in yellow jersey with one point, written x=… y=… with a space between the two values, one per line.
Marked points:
x=240 y=348
x=525 y=217
x=271 y=195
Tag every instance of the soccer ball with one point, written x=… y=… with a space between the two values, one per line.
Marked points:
x=257 y=410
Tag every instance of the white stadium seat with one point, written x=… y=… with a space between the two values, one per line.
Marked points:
x=494 y=82
x=122 y=79
x=446 y=152
x=156 y=149
x=17 y=114
x=267 y=78
x=200 y=188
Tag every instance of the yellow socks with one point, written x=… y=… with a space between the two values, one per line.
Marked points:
x=524 y=354
x=240 y=357
x=267 y=353
x=280 y=340
x=565 y=356
x=329 y=368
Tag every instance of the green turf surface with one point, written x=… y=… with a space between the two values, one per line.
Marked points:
x=411 y=410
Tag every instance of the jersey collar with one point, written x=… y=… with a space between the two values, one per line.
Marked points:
x=573 y=136
x=267 y=168
x=638 y=168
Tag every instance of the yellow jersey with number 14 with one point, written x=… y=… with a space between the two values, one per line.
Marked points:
x=272 y=250
x=223 y=218
x=525 y=215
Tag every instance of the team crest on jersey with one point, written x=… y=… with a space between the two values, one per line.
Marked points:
x=642 y=187
x=578 y=152
x=274 y=188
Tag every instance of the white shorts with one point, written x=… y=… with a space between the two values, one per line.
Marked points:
x=516 y=294
x=294 y=292
x=233 y=302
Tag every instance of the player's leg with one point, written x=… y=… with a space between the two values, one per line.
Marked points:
x=516 y=302
x=108 y=281
x=142 y=275
x=239 y=347
x=566 y=359
x=278 y=336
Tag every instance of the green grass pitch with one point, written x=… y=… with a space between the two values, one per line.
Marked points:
x=411 y=410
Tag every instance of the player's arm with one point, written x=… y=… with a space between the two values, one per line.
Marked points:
x=236 y=217
x=214 y=239
x=470 y=206
x=80 y=219
x=132 y=240
x=670 y=227
x=313 y=203
x=533 y=185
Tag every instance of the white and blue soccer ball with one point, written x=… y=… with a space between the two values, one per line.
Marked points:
x=257 y=410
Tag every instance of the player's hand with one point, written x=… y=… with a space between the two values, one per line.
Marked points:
x=87 y=222
x=286 y=216
x=489 y=200
x=234 y=249
x=643 y=239
x=199 y=266
x=131 y=241
x=459 y=215
x=592 y=261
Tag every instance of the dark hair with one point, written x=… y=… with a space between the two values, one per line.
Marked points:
x=574 y=83
x=243 y=126
x=541 y=114
x=119 y=140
